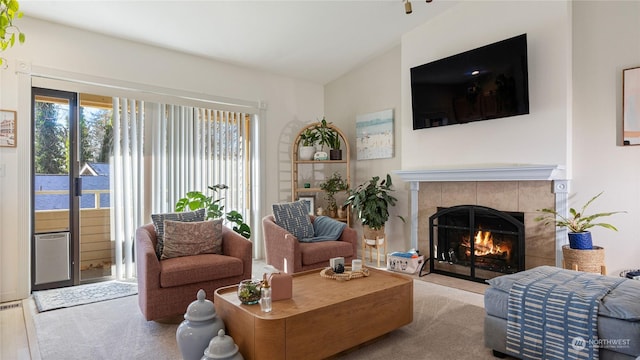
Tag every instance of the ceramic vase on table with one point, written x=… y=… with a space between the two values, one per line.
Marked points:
x=200 y=325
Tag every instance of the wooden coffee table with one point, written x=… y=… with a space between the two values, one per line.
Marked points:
x=324 y=317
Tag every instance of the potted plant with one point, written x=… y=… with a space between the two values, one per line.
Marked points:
x=334 y=143
x=331 y=186
x=194 y=200
x=324 y=132
x=371 y=201
x=577 y=223
x=309 y=139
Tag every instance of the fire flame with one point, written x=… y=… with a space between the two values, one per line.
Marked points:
x=484 y=245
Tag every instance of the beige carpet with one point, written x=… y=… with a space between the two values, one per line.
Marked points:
x=448 y=323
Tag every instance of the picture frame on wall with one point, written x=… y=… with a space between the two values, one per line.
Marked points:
x=8 y=128
x=374 y=135
x=631 y=106
x=310 y=203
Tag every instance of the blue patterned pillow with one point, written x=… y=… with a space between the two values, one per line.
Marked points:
x=158 y=223
x=294 y=217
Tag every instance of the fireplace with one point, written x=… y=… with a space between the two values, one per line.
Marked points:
x=476 y=242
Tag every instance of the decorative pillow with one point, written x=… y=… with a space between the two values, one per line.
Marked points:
x=294 y=217
x=192 y=238
x=187 y=216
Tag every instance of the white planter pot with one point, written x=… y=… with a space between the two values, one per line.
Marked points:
x=306 y=152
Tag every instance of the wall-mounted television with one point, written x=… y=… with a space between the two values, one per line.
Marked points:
x=486 y=83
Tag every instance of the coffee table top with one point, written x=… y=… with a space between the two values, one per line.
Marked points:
x=311 y=291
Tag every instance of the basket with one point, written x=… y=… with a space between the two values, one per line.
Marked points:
x=584 y=260
x=328 y=273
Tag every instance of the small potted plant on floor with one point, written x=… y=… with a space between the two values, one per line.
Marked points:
x=577 y=223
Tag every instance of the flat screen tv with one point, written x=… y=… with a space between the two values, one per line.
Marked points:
x=486 y=83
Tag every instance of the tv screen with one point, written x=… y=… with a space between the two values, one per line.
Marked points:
x=489 y=82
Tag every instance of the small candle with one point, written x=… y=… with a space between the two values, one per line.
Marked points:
x=356 y=265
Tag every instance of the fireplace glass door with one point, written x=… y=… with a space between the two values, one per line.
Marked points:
x=476 y=242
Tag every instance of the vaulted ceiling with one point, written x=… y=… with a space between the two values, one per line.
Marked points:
x=313 y=40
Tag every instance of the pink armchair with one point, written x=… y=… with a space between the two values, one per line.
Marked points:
x=167 y=287
x=286 y=253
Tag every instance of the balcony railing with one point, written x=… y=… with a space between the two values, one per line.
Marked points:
x=97 y=249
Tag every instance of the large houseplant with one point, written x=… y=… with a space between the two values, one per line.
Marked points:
x=578 y=223
x=194 y=200
x=331 y=186
x=371 y=201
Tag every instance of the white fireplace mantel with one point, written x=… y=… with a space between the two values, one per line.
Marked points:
x=501 y=172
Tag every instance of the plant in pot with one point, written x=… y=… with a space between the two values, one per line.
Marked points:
x=309 y=139
x=578 y=223
x=324 y=138
x=195 y=200
x=331 y=186
x=371 y=201
x=334 y=143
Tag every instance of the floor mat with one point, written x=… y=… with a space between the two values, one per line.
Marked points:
x=82 y=294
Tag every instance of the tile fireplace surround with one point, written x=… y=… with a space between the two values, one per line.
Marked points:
x=522 y=188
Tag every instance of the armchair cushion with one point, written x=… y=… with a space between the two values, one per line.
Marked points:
x=294 y=218
x=198 y=268
x=192 y=238
x=158 y=224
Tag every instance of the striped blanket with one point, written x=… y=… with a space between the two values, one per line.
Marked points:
x=553 y=313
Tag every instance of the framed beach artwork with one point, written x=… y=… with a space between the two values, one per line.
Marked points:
x=631 y=106
x=374 y=135
x=8 y=128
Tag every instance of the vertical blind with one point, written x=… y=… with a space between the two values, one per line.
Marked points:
x=127 y=191
x=191 y=149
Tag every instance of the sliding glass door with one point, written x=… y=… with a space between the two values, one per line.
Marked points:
x=55 y=204
x=71 y=218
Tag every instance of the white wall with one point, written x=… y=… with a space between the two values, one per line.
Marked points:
x=577 y=51
x=536 y=138
x=372 y=87
x=48 y=45
x=606 y=40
